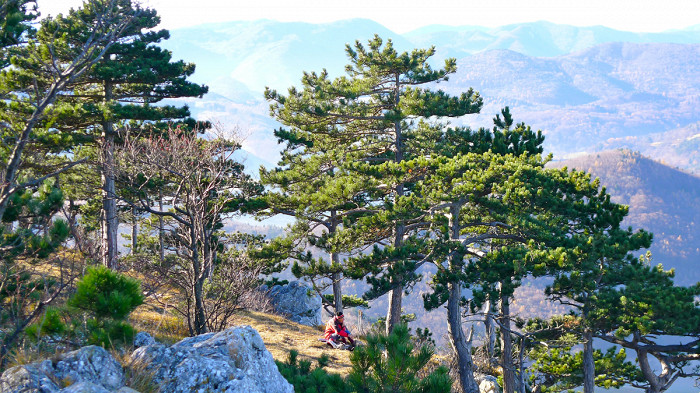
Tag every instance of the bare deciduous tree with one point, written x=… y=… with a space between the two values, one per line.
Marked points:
x=200 y=183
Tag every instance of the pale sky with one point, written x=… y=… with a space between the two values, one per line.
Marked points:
x=402 y=16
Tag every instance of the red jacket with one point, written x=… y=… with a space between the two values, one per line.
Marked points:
x=335 y=326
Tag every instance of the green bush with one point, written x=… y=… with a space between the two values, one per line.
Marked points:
x=393 y=364
x=96 y=312
x=307 y=380
x=107 y=294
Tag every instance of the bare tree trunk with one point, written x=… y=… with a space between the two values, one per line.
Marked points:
x=110 y=220
x=393 y=317
x=656 y=384
x=337 y=291
x=337 y=277
x=490 y=327
x=200 y=325
x=460 y=343
x=161 y=231
x=134 y=230
x=506 y=348
x=588 y=363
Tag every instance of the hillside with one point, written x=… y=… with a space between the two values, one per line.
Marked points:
x=662 y=199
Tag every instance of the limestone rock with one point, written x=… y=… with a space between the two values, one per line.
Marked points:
x=126 y=390
x=298 y=301
x=88 y=364
x=28 y=378
x=84 y=387
x=143 y=339
x=488 y=384
x=234 y=360
x=91 y=364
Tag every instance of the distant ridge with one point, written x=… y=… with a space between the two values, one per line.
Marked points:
x=539 y=39
x=663 y=200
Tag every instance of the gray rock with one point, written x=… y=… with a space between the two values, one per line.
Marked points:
x=234 y=360
x=88 y=364
x=488 y=384
x=143 y=339
x=126 y=390
x=298 y=301
x=84 y=387
x=28 y=378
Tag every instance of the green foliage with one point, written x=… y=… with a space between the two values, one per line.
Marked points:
x=393 y=364
x=51 y=323
x=107 y=294
x=307 y=380
x=561 y=368
x=97 y=312
x=107 y=333
x=349 y=301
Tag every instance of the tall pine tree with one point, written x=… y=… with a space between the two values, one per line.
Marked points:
x=119 y=93
x=367 y=118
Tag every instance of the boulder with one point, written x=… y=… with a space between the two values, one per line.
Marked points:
x=488 y=384
x=84 y=387
x=143 y=339
x=298 y=301
x=234 y=360
x=90 y=365
x=29 y=378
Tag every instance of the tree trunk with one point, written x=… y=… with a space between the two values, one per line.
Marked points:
x=200 y=325
x=490 y=327
x=337 y=277
x=655 y=384
x=110 y=220
x=393 y=316
x=588 y=362
x=506 y=348
x=134 y=230
x=337 y=293
x=161 y=231
x=460 y=343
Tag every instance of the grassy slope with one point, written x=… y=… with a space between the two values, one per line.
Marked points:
x=279 y=335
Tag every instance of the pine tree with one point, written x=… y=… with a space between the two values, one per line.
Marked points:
x=43 y=68
x=118 y=93
x=371 y=116
x=640 y=308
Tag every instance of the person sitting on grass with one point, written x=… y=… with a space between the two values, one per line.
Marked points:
x=337 y=334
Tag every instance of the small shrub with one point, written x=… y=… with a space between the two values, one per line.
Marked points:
x=107 y=294
x=307 y=380
x=393 y=364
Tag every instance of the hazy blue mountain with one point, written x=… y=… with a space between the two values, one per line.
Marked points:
x=268 y=53
x=583 y=101
x=536 y=38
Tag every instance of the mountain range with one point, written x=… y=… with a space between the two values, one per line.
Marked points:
x=588 y=88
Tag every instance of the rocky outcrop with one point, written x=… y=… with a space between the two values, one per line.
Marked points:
x=298 y=301
x=232 y=361
x=92 y=369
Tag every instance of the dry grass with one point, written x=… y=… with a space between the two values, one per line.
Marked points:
x=278 y=333
x=281 y=335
